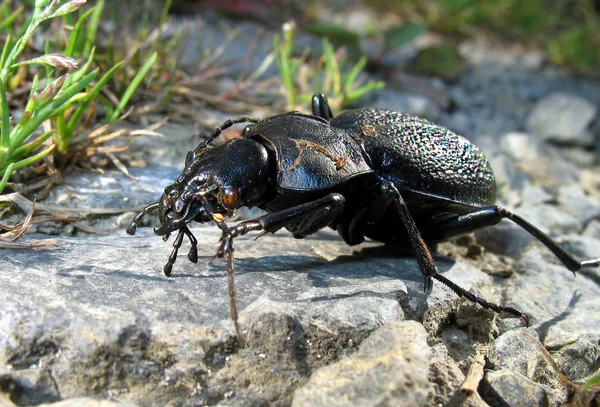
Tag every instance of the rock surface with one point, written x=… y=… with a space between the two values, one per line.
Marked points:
x=390 y=368
x=105 y=321
x=508 y=388
x=564 y=119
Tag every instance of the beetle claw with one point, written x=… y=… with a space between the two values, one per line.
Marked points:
x=168 y=269
x=427 y=284
x=131 y=229
x=193 y=254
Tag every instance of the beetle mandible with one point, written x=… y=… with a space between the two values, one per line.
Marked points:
x=380 y=174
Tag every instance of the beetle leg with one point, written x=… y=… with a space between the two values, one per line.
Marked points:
x=193 y=253
x=136 y=221
x=320 y=107
x=427 y=265
x=168 y=268
x=492 y=215
x=307 y=218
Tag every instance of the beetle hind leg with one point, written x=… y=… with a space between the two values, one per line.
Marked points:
x=492 y=215
x=426 y=263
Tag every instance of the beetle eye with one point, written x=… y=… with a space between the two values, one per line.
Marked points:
x=230 y=197
x=246 y=131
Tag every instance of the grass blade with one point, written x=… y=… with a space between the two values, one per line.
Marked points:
x=74 y=77
x=353 y=74
x=74 y=35
x=50 y=109
x=30 y=160
x=92 y=27
x=135 y=83
x=5 y=52
x=7 y=172
x=92 y=96
x=31 y=146
x=11 y=18
x=5 y=117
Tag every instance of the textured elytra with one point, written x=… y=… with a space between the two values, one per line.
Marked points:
x=420 y=156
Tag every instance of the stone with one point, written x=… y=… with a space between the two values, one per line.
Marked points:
x=578 y=360
x=519 y=350
x=390 y=368
x=542 y=163
x=557 y=303
x=575 y=201
x=509 y=388
x=444 y=375
x=87 y=402
x=564 y=119
x=99 y=314
x=410 y=103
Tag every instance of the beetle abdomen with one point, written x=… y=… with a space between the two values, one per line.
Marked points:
x=421 y=157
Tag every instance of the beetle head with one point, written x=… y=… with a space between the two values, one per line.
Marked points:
x=215 y=182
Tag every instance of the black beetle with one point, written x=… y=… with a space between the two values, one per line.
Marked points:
x=388 y=176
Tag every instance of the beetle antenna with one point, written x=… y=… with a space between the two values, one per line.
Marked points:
x=136 y=221
x=227 y=124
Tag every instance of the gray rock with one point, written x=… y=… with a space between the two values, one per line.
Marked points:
x=87 y=402
x=99 y=314
x=563 y=118
x=390 y=368
x=541 y=163
x=520 y=351
x=444 y=375
x=592 y=230
x=578 y=360
x=505 y=238
x=556 y=302
x=575 y=201
x=508 y=388
x=550 y=219
x=407 y=103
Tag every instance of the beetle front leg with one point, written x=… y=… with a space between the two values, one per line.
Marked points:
x=306 y=218
x=427 y=265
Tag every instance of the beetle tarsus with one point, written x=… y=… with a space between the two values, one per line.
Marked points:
x=168 y=269
x=461 y=292
x=193 y=253
x=131 y=229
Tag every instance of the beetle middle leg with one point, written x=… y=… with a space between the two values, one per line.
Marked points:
x=302 y=220
x=492 y=215
x=427 y=265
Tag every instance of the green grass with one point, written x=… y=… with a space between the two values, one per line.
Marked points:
x=569 y=31
x=62 y=95
x=330 y=74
